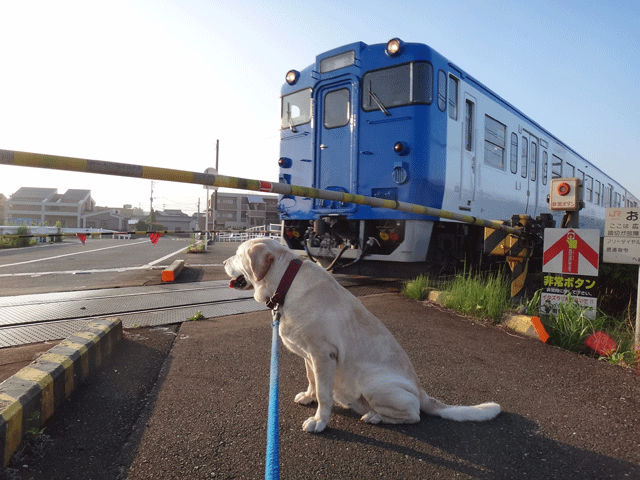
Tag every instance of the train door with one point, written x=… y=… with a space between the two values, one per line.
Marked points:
x=531 y=144
x=468 y=156
x=336 y=158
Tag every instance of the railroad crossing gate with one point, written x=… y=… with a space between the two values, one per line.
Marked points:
x=570 y=266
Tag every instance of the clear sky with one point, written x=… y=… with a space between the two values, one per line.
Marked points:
x=157 y=82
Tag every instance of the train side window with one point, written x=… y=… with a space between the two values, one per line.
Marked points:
x=571 y=171
x=514 y=152
x=533 y=174
x=468 y=135
x=556 y=167
x=617 y=201
x=494 y=142
x=337 y=108
x=588 y=186
x=442 y=90
x=545 y=167
x=607 y=196
x=453 y=97
x=524 y=155
x=596 y=193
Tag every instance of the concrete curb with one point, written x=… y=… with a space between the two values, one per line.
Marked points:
x=29 y=398
x=524 y=324
x=170 y=274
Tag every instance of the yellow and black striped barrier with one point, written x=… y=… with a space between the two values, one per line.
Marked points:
x=29 y=398
x=37 y=160
x=499 y=242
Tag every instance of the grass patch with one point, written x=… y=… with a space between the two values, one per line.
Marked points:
x=573 y=324
x=484 y=296
x=418 y=289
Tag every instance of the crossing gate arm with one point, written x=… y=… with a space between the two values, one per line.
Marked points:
x=55 y=162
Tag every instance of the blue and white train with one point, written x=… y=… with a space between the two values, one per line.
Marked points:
x=399 y=121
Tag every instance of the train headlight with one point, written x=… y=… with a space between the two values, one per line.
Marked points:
x=292 y=77
x=285 y=162
x=394 y=47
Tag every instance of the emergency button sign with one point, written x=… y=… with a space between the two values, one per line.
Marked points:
x=571 y=251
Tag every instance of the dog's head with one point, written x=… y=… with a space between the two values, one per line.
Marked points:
x=251 y=263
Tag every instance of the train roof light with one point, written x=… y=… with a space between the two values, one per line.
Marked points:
x=394 y=47
x=292 y=77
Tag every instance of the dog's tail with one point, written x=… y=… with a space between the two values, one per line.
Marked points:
x=478 y=413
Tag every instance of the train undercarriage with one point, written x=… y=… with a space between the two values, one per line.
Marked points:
x=404 y=248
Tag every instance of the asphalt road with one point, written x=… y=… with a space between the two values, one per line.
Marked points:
x=102 y=263
x=192 y=404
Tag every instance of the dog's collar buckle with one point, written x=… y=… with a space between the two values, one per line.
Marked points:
x=283 y=287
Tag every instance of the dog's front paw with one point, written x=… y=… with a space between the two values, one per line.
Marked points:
x=305 y=398
x=313 y=425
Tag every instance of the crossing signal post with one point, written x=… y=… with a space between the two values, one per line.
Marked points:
x=517 y=249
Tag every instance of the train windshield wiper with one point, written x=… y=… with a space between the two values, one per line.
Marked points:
x=378 y=101
x=289 y=120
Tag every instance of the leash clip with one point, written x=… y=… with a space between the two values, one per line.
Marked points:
x=276 y=314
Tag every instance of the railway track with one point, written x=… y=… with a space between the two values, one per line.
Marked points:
x=36 y=318
x=52 y=316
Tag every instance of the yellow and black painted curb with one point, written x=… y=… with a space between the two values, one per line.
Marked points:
x=29 y=398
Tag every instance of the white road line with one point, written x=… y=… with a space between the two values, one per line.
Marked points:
x=71 y=272
x=70 y=254
x=151 y=264
x=148 y=266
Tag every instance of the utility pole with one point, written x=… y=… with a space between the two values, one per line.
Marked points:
x=211 y=205
x=215 y=192
x=152 y=217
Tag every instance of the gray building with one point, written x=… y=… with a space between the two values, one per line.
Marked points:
x=241 y=211
x=173 y=220
x=45 y=206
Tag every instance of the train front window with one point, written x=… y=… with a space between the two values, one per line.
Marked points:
x=296 y=109
x=411 y=83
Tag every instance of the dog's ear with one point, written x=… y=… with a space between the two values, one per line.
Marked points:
x=260 y=260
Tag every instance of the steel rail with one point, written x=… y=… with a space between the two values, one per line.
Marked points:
x=55 y=162
x=125 y=312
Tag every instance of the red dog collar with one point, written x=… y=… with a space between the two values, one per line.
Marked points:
x=285 y=283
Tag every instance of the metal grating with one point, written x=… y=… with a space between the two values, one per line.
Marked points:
x=37 y=318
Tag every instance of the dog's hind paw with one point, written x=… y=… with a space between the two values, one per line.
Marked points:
x=304 y=398
x=371 y=417
x=313 y=425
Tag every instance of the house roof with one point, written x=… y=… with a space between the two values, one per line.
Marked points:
x=171 y=213
x=30 y=194
x=74 y=196
x=51 y=195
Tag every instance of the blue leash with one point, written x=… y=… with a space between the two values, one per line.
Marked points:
x=272 y=465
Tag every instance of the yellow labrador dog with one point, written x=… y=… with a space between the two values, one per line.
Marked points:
x=351 y=357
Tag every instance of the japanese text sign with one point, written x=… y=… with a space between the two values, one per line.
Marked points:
x=622 y=236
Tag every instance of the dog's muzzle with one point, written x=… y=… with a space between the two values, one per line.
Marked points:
x=239 y=282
